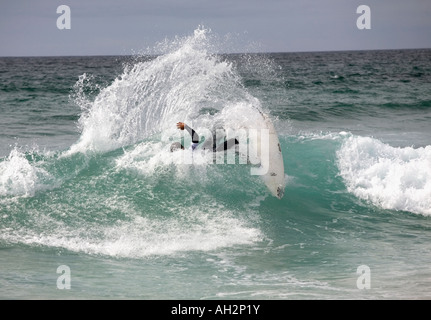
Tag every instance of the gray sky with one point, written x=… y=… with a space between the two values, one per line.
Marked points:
x=110 y=27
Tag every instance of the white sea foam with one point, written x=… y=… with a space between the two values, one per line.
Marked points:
x=190 y=229
x=19 y=177
x=389 y=177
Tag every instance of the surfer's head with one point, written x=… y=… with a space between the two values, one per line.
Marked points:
x=175 y=146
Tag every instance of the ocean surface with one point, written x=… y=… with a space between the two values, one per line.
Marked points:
x=93 y=205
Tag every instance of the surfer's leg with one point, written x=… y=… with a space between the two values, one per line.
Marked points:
x=227 y=145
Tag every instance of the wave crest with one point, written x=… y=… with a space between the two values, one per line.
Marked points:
x=389 y=177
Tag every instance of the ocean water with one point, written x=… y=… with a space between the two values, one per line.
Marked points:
x=93 y=205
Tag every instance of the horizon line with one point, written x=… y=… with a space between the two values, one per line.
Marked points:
x=226 y=53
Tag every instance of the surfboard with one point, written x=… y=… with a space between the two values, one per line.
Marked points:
x=274 y=177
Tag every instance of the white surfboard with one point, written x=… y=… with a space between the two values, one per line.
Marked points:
x=274 y=177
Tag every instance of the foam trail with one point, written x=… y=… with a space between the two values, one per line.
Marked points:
x=191 y=229
x=392 y=178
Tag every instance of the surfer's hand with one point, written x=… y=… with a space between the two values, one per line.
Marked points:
x=180 y=125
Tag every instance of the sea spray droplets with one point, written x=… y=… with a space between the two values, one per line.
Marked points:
x=392 y=178
x=152 y=95
x=83 y=90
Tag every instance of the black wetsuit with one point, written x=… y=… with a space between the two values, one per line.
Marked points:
x=221 y=147
x=194 y=135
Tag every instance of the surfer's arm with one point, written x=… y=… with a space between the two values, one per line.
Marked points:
x=193 y=134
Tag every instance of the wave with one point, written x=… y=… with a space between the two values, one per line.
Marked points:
x=141 y=201
x=125 y=203
x=389 y=177
x=119 y=191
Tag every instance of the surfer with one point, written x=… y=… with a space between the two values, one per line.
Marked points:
x=196 y=141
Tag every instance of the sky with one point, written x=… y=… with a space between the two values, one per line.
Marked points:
x=122 y=27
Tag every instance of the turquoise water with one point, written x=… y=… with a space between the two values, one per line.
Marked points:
x=87 y=180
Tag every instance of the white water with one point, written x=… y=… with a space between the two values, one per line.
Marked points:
x=187 y=84
x=388 y=177
x=19 y=177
